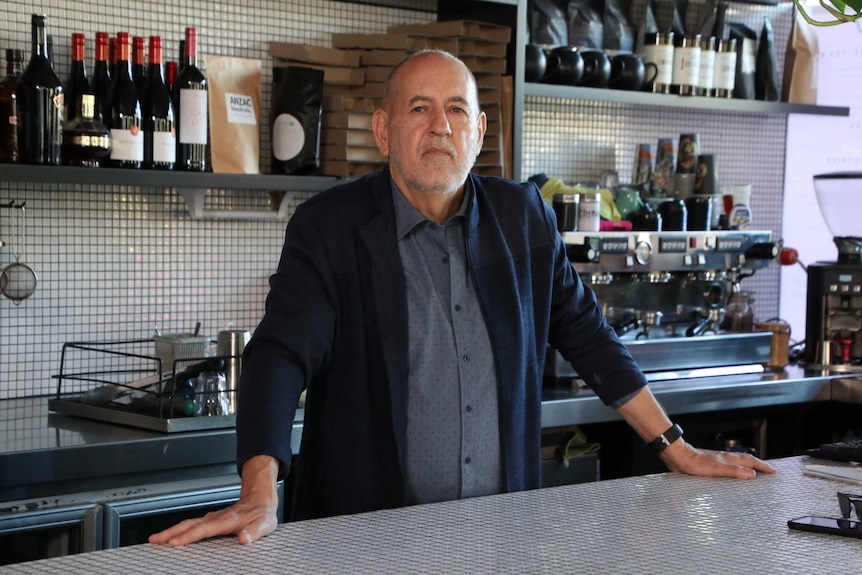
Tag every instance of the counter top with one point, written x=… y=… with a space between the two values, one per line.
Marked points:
x=54 y=453
x=666 y=523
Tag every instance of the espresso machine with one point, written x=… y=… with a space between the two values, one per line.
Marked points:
x=833 y=318
x=667 y=295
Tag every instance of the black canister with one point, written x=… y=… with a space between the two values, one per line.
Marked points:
x=699 y=210
x=674 y=216
x=566 y=208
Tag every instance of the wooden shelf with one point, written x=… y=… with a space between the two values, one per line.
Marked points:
x=679 y=102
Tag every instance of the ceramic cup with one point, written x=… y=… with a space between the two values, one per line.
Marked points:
x=597 y=69
x=630 y=72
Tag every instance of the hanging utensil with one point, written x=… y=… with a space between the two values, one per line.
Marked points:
x=18 y=280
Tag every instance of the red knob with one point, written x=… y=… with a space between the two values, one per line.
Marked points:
x=845 y=343
x=788 y=256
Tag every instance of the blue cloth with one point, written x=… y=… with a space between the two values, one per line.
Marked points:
x=336 y=322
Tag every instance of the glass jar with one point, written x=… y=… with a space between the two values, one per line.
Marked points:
x=739 y=315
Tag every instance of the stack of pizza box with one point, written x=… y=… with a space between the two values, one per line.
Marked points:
x=355 y=72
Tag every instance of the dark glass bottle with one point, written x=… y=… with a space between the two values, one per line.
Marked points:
x=160 y=143
x=191 y=109
x=125 y=119
x=86 y=140
x=77 y=83
x=101 y=84
x=139 y=66
x=170 y=75
x=112 y=55
x=8 y=108
x=39 y=99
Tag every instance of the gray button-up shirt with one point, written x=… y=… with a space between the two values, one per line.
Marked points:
x=453 y=437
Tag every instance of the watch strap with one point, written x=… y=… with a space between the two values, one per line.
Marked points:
x=664 y=440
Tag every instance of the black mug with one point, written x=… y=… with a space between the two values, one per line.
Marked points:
x=597 y=69
x=565 y=66
x=629 y=72
x=535 y=63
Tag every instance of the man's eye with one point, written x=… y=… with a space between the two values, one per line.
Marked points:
x=418 y=109
x=458 y=110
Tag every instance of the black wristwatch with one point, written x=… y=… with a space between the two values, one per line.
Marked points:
x=664 y=440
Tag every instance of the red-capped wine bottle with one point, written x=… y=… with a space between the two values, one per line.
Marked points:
x=39 y=99
x=139 y=66
x=8 y=107
x=125 y=119
x=170 y=75
x=77 y=83
x=160 y=143
x=191 y=107
x=101 y=83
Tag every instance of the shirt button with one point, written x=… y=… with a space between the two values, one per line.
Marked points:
x=467 y=460
x=457 y=307
x=445 y=260
x=469 y=408
x=466 y=358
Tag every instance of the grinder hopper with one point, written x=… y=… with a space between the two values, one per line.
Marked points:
x=839 y=195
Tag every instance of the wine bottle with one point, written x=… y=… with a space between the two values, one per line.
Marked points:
x=112 y=55
x=139 y=72
x=8 y=108
x=86 y=140
x=101 y=84
x=190 y=96
x=170 y=75
x=160 y=143
x=39 y=99
x=125 y=119
x=77 y=83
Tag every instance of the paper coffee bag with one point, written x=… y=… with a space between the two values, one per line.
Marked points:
x=800 y=64
x=234 y=101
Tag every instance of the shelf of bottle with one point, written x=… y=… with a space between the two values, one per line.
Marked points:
x=674 y=101
x=162 y=178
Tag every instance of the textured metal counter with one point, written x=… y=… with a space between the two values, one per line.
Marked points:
x=46 y=454
x=668 y=523
x=568 y=405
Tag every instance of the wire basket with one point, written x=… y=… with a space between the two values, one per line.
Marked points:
x=171 y=347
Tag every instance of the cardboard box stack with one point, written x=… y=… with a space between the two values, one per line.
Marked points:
x=356 y=68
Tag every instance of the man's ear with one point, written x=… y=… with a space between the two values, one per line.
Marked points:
x=380 y=127
x=482 y=127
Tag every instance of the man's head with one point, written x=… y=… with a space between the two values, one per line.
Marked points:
x=430 y=127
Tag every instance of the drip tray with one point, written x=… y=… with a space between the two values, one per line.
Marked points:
x=135 y=417
x=684 y=354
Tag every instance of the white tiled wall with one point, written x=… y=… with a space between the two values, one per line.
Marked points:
x=113 y=262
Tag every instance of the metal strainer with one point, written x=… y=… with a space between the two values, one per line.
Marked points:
x=18 y=280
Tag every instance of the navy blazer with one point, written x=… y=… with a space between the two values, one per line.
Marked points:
x=336 y=323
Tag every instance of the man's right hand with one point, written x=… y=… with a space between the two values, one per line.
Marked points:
x=250 y=518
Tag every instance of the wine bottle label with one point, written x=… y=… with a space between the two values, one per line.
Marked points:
x=164 y=147
x=686 y=65
x=707 y=69
x=288 y=137
x=127 y=145
x=240 y=109
x=662 y=56
x=85 y=141
x=725 y=71
x=193 y=117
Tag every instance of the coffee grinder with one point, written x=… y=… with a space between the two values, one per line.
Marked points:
x=833 y=332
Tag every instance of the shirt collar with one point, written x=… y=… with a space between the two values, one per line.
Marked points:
x=408 y=217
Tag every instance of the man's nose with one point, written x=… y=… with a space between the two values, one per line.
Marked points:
x=440 y=124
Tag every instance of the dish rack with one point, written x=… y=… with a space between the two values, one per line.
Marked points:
x=138 y=382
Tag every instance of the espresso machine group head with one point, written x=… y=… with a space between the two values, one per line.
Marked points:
x=833 y=318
